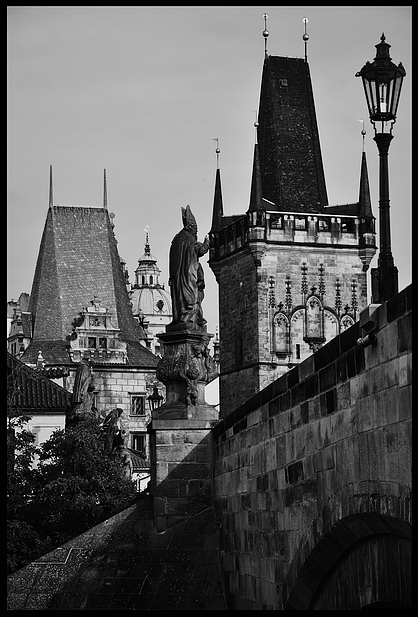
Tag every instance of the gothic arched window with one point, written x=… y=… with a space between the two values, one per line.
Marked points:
x=281 y=334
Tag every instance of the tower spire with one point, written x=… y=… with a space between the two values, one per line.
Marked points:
x=218 y=210
x=256 y=190
x=305 y=37
x=104 y=191
x=265 y=33
x=365 y=207
x=51 y=197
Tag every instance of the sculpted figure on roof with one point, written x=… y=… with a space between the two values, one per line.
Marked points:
x=187 y=280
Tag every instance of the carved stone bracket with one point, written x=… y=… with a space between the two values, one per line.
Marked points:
x=185 y=369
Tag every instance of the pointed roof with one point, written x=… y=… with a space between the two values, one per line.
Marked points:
x=218 y=209
x=78 y=260
x=291 y=166
x=365 y=205
x=256 y=194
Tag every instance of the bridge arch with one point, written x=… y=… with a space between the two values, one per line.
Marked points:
x=364 y=562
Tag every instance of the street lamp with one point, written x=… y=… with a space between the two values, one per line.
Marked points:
x=382 y=82
x=155 y=399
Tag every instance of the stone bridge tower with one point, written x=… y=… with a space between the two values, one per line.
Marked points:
x=291 y=268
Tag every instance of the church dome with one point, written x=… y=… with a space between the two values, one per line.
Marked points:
x=151 y=300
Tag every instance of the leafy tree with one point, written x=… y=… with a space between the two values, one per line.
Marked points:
x=76 y=485
x=24 y=543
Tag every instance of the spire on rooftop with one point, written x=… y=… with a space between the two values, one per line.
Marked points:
x=51 y=197
x=104 y=191
x=218 y=210
x=305 y=37
x=365 y=206
x=256 y=193
x=265 y=33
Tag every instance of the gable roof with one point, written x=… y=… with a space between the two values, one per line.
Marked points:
x=28 y=391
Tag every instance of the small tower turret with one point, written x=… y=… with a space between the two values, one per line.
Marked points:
x=367 y=233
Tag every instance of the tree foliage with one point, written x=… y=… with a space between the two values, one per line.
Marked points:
x=76 y=485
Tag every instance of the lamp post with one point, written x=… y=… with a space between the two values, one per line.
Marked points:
x=382 y=82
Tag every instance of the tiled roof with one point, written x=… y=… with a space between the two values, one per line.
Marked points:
x=79 y=260
x=54 y=352
x=292 y=174
x=139 y=461
x=31 y=392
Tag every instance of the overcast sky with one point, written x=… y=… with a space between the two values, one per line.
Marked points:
x=143 y=91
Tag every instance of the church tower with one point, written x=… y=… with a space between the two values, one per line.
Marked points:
x=151 y=303
x=291 y=268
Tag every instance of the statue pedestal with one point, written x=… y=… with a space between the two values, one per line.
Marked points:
x=180 y=439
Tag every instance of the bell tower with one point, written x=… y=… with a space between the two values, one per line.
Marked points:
x=291 y=268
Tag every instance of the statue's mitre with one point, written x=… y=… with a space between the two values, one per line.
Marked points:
x=188 y=218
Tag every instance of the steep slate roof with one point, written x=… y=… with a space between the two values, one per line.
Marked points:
x=78 y=260
x=32 y=392
x=290 y=155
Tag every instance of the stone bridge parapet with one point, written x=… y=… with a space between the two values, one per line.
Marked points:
x=318 y=464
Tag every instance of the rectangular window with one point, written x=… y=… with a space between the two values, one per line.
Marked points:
x=102 y=343
x=347 y=226
x=276 y=221
x=92 y=342
x=137 y=405
x=297 y=352
x=139 y=442
x=323 y=225
x=300 y=223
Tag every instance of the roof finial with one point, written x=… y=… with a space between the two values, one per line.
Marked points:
x=217 y=151
x=104 y=191
x=147 y=246
x=51 y=198
x=255 y=125
x=363 y=132
x=305 y=37
x=265 y=32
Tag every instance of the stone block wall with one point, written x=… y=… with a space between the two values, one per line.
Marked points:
x=181 y=460
x=114 y=389
x=329 y=440
x=238 y=330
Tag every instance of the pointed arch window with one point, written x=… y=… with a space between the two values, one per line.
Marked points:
x=314 y=323
x=281 y=334
x=346 y=322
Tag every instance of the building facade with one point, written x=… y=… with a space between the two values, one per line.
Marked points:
x=79 y=309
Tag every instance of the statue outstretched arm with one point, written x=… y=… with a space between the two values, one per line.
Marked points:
x=202 y=247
